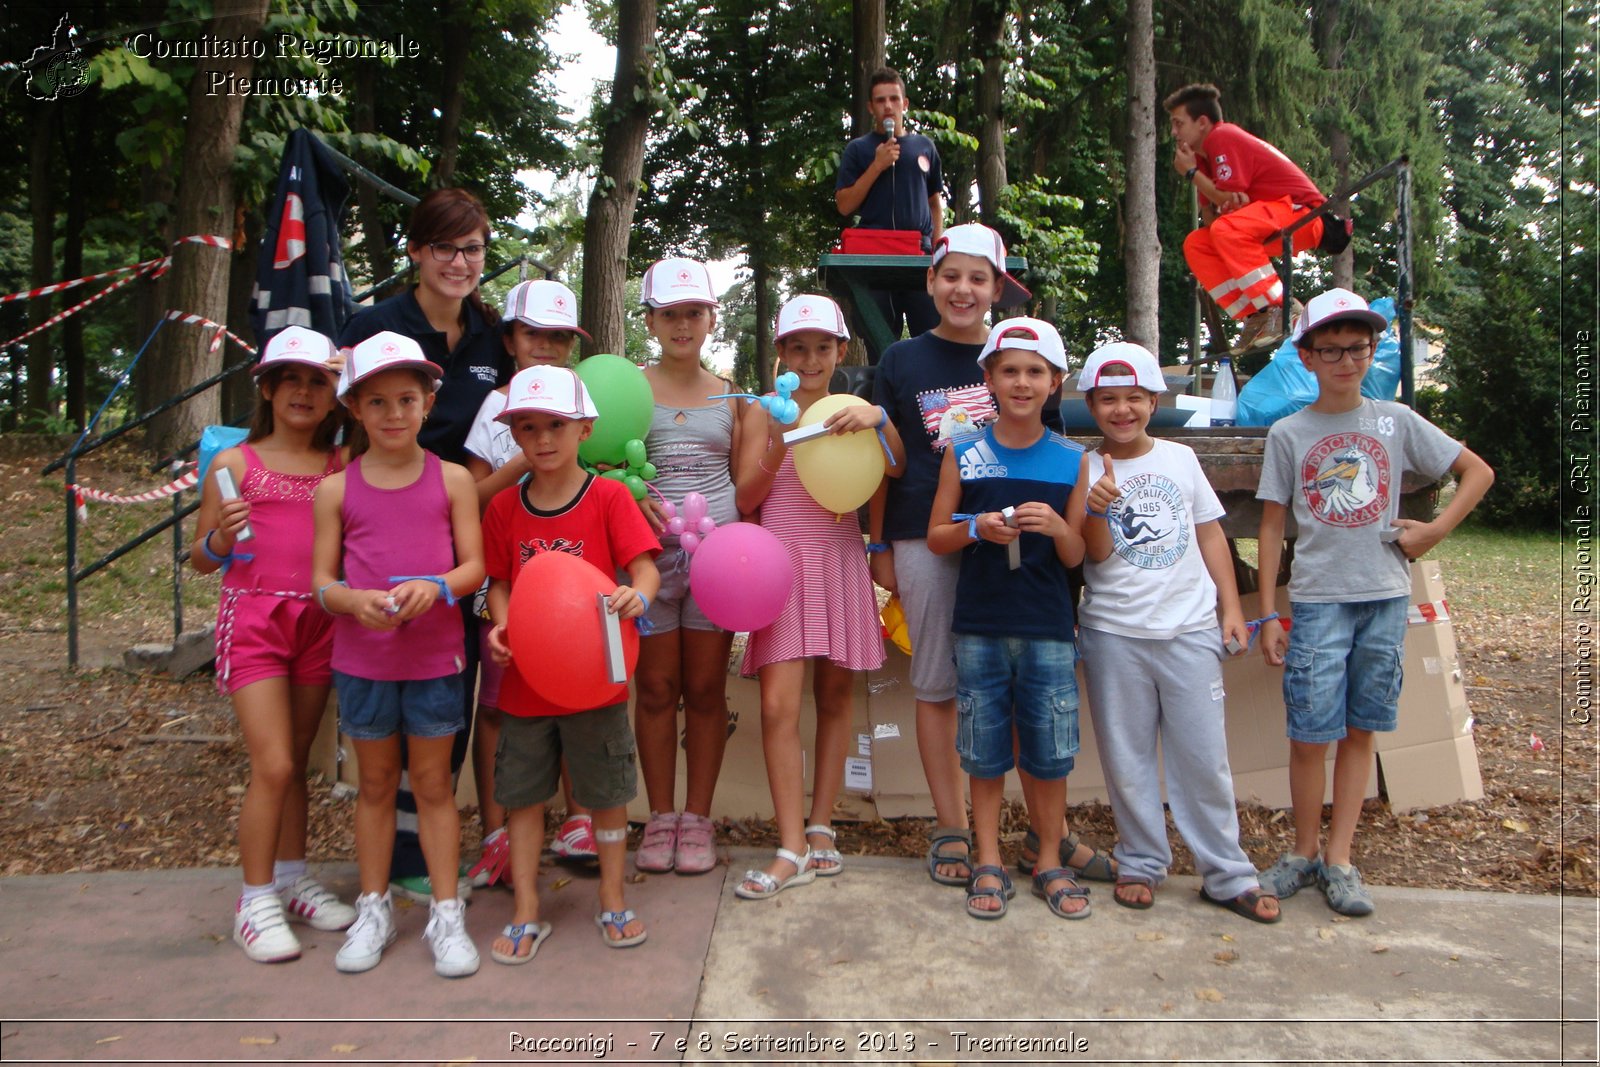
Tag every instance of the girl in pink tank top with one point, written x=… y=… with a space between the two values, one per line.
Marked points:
x=273 y=642
x=397 y=541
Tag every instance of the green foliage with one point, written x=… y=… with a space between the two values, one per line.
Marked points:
x=1059 y=255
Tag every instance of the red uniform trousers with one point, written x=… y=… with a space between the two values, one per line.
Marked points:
x=1232 y=259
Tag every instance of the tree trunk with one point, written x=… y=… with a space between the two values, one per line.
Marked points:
x=41 y=196
x=198 y=283
x=456 y=40
x=74 y=360
x=988 y=27
x=239 y=392
x=616 y=190
x=868 y=23
x=369 y=208
x=1141 y=252
x=1329 y=36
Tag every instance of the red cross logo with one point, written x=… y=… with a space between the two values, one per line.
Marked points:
x=536 y=386
x=805 y=311
x=683 y=276
x=390 y=349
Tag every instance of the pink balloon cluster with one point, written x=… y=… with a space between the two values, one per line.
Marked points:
x=692 y=525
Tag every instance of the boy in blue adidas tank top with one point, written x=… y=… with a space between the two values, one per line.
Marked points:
x=1003 y=495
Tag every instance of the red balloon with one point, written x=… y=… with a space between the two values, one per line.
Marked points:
x=554 y=630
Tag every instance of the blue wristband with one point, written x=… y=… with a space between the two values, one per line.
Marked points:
x=1094 y=514
x=223 y=561
x=444 y=587
x=874 y=547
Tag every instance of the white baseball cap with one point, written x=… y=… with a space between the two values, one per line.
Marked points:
x=976 y=239
x=544 y=305
x=1337 y=305
x=1121 y=363
x=677 y=281
x=554 y=390
x=811 y=313
x=380 y=352
x=1030 y=335
x=295 y=344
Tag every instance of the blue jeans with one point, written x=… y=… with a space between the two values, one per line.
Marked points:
x=372 y=710
x=1343 y=668
x=1021 y=686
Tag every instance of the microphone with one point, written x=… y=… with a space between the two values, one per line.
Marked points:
x=888 y=127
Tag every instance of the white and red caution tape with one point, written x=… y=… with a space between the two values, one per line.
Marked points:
x=1428 y=611
x=191 y=319
x=83 y=493
x=153 y=268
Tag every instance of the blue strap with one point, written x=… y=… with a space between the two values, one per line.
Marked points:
x=1254 y=625
x=444 y=587
x=224 y=561
x=646 y=627
x=970 y=520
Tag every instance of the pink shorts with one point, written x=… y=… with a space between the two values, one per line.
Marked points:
x=489 y=672
x=272 y=637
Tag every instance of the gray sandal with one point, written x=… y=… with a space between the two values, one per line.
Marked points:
x=949 y=835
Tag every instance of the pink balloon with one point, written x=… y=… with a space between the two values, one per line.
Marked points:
x=669 y=509
x=706 y=524
x=741 y=576
x=690 y=541
x=694 y=508
x=675 y=525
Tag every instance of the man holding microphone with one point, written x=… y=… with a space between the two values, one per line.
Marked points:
x=891 y=178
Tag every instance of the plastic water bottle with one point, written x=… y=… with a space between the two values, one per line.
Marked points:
x=1224 y=395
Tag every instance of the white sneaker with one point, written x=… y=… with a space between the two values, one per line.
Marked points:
x=259 y=927
x=454 y=955
x=309 y=901
x=372 y=933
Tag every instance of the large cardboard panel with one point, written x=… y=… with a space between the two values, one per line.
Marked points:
x=1427 y=776
x=1270 y=788
x=1433 y=697
x=742 y=788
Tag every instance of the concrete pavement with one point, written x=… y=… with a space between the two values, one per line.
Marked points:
x=877 y=964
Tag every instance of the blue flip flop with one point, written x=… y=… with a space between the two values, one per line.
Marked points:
x=518 y=932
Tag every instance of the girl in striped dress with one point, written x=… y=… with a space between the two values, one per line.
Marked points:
x=831 y=617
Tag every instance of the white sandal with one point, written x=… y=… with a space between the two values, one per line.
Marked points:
x=825 y=855
x=770 y=886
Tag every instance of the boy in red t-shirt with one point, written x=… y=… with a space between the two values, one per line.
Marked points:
x=562 y=508
x=1248 y=192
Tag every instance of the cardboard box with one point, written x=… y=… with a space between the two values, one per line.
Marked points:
x=1270 y=787
x=1427 y=776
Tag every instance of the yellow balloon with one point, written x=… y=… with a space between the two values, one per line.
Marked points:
x=840 y=471
x=894 y=624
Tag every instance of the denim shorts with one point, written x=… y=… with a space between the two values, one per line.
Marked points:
x=1343 y=668
x=1024 y=687
x=598 y=748
x=373 y=711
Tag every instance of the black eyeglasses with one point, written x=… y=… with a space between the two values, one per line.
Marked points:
x=1333 y=354
x=445 y=252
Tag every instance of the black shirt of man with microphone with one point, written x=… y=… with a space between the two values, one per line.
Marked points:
x=892 y=179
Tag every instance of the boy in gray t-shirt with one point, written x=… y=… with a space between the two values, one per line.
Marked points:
x=1338 y=464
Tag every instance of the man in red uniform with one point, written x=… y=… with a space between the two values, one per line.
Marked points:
x=1248 y=192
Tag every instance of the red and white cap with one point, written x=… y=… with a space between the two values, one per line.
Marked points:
x=811 y=313
x=384 y=351
x=553 y=390
x=976 y=239
x=1337 y=305
x=1119 y=364
x=544 y=305
x=1030 y=335
x=295 y=344
x=677 y=281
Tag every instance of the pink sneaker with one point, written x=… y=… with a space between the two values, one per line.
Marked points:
x=575 y=840
x=658 y=849
x=697 y=851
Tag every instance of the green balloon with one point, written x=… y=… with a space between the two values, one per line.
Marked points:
x=622 y=395
x=648 y=472
x=616 y=474
x=634 y=452
x=635 y=486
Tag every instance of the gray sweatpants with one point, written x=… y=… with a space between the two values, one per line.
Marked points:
x=1142 y=689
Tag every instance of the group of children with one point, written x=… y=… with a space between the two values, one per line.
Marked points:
x=360 y=551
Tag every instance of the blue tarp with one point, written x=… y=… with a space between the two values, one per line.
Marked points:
x=300 y=278
x=1284 y=386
